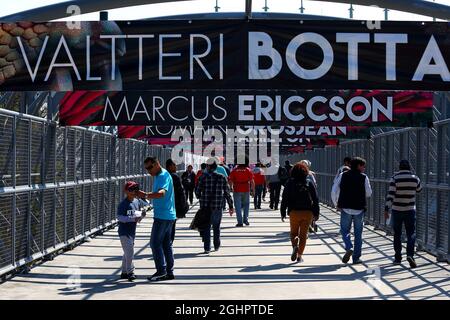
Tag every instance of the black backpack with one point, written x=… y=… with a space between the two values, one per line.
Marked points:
x=299 y=196
x=283 y=174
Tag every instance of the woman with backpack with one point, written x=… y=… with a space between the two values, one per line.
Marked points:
x=300 y=202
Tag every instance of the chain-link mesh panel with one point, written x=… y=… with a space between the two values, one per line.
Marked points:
x=87 y=141
x=78 y=155
x=442 y=226
x=123 y=157
x=87 y=199
x=22 y=148
x=95 y=156
x=432 y=154
x=70 y=207
x=71 y=149
x=6 y=150
x=6 y=228
x=21 y=225
x=432 y=217
x=78 y=210
x=60 y=154
x=37 y=131
x=59 y=211
x=49 y=151
x=102 y=208
x=49 y=218
x=117 y=156
x=107 y=156
x=35 y=221
x=421 y=217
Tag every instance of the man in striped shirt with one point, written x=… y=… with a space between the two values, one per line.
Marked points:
x=402 y=198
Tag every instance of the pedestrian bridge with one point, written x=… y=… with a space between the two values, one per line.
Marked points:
x=253 y=263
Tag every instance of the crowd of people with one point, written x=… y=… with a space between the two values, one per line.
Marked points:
x=292 y=189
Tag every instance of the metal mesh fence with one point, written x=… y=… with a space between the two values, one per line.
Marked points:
x=59 y=185
x=429 y=153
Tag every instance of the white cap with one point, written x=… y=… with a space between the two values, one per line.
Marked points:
x=212 y=160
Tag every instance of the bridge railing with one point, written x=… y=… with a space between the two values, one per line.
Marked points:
x=60 y=185
x=428 y=151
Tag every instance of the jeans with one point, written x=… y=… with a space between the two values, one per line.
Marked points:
x=258 y=194
x=161 y=244
x=127 y=243
x=409 y=219
x=346 y=224
x=241 y=202
x=216 y=218
x=275 y=188
x=174 y=227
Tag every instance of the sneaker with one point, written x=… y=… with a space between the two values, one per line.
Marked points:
x=359 y=261
x=294 y=254
x=271 y=207
x=157 y=277
x=347 y=256
x=216 y=249
x=206 y=252
x=299 y=259
x=412 y=262
x=247 y=223
x=169 y=277
x=239 y=225
x=397 y=261
x=124 y=276
x=132 y=277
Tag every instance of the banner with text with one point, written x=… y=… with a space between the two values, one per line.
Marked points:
x=256 y=108
x=225 y=54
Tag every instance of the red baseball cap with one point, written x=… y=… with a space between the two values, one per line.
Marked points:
x=131 y=186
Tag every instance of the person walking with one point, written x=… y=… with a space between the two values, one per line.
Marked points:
x=181 y=204
x=301 y=203
x=284 y=173
x=311 y=174
x=188 y=179
x=242 y=184
x=164 y=217
x=212 y=191
x=401 y=198
x=349 y=194
x=260 y=183
x=347 y=161
x=128 y=219
x=274 y=186
x=311 y=177
x=263 y=167
x=220 y=168
x=199 y=173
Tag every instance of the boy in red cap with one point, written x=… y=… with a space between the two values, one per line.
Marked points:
x=129 y=214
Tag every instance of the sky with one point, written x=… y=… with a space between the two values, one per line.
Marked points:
x=202 y=6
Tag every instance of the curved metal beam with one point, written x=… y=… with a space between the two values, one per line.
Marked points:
x=424 y=8
x=242 y=15
x=57 y=11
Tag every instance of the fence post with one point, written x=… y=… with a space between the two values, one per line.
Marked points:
x=14 y=211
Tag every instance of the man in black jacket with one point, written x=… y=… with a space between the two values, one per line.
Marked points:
x=188 y=180
x=212 y=191
x=181 y=205
x=349 y=194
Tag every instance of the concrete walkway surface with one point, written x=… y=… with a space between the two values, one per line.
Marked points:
x=253 y=263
